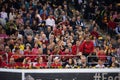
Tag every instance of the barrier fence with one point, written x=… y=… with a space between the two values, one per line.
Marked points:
x=60 y=74
x=49 y=59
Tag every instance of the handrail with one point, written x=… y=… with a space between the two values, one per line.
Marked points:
x=50 y=61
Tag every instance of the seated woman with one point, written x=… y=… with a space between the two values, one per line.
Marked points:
x=70 y=63
x=41 y=63
x=27 y=63
x=17 y=55
x=12 y=64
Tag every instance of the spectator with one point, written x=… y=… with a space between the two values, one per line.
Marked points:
x=100 y=64
x=111 y=27
x=3 y=34
x=44 y=39
x=70 y=63
x=73 y=23
x=118 y=54
x=87 y=47
x=51 y=29
x=17 y=46
x=19 y=20
x=114 y=62
x=35 y=49
x=12 y=64
x=8 y=53
x=27 y=63
x=79 y=22
x=117 y=29
x=10 y=30
x=3 y=64
x=12 y=14
x=50 y=22
x=58 y=11
x=28 y=31
x=3 y=16
x=83 y=62
x=76 y=48
x=41 y=63
x=18 y=57
x=27 y=50
x=101 y=55
x=95 y=32
x=93 y=58
x=56 y=63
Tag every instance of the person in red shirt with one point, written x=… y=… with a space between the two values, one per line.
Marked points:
x=66 y=54
x=3 y=64
x=28 y=51
x=76 y=48
x=102 y=55
x=111 y=26
x=27 y=63
x=17 y=55
x=94 y=32
x=41 y=63
x=87 y=46
x=8 y=53
x=56 y=63
x=44 y=15
x=56 y=50
x=12 y=64
x=44 y=39
x=58 y=31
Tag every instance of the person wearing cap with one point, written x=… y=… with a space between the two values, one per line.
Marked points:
x=56 y=63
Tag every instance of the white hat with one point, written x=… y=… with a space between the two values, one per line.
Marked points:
x=56 y=58
x=28 y=44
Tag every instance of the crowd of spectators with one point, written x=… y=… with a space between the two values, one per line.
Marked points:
x=59 y=34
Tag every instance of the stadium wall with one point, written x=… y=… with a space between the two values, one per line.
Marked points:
x=60 y=74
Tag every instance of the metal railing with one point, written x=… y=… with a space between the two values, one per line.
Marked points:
x=49 y=59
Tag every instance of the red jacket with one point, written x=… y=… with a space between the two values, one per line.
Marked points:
x=9 y=56
x=95 y=34
x=12 y=66
x=41 y=65
x=57 y=32
x=87 y=47
x=66 y=55
x=54 y=65
x=28 y=54
x=74 y=49
x=102 y=56
x=3 y=64
x=111 y=25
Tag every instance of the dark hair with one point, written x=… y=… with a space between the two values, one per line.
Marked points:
x=17 y=49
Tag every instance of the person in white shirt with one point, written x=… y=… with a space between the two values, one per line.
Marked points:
x=3 y=17
x=50 y=21
x=3 y=14
x=79 y=22
x=12 y=15
x=117 y=29
x=100 y=64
